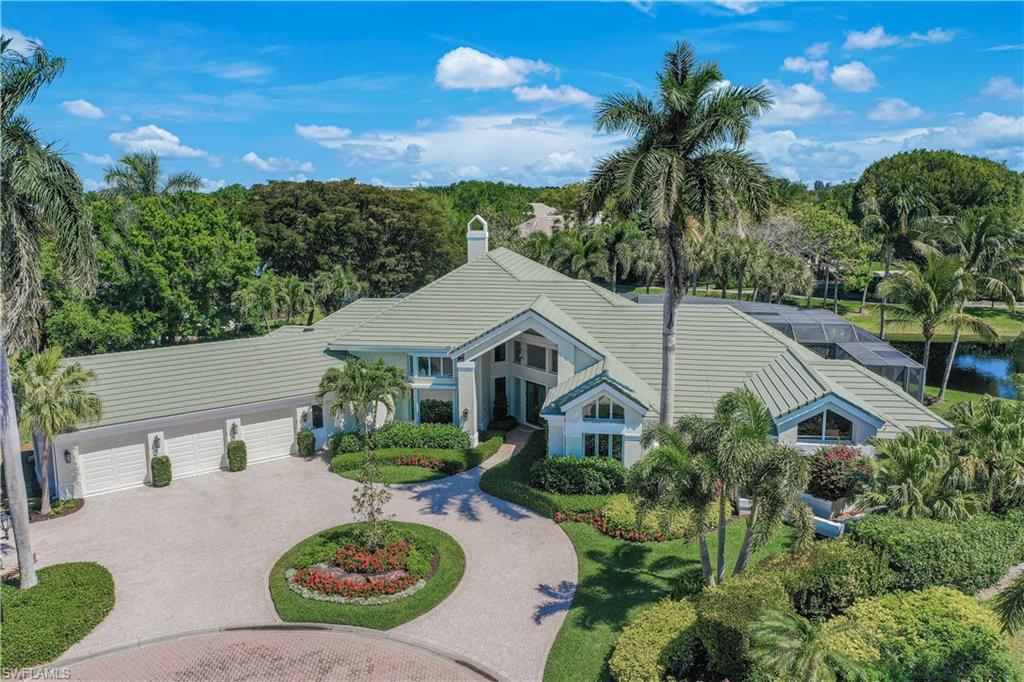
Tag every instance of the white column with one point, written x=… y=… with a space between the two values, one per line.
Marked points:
x=152 y=452
x=467 y=405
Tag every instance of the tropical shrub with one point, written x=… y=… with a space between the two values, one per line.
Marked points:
x=931 y=636
x=657 y=645
x=725 y=614
x=620 y=517
x=343 y=442
x=446 y=460
x=833 y=574
x=579 y=475
x=989 y=435
x=835 y=471
x=405 y=435
x=306 y=443
x=504 y=424
x=161 y=470
x=237 y=458
x=435 y=411
x=967 y=555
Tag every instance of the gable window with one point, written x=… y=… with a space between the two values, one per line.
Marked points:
x=535 y=356
x=602 y=445
x=433 y=366
x=604 y=408
x=499 y=353
x=553 y=361
x=825 y=426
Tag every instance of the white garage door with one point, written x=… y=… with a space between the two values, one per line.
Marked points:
x=267 y=436
x=111 y=466
x=194 y=450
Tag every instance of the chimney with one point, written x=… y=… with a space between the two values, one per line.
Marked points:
x=476 y=238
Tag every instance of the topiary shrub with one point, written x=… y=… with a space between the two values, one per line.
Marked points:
x=342 y=443
x=578 y=475
x=724 y=616
x=931 y=636
x=967 y=555
x=435 y=411
x=658 y=645
x=160 y=467
x=435 y=436
x=505 y=424
x=237 y=458
x=834 y=472
x=306 y=443
x=620 y=516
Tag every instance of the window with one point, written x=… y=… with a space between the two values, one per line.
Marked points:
x=433 y=366
x=499 y=353
x=604 y=408
x=553 y=361
x=826 y=426
x=602 y=445
x=318 y=417
x=535 y=356
x=517 y=352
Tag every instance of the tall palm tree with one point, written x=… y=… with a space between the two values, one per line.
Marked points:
x=537 y=246
x=40 y=199
x=139 y=174
x=646 y=260
x=54 y=398
x=261 y=297
x=787 y=646
x=332 y=288
x=902 y=214
x=685 y=160
x=367 y=387
x=296 y=296
x=580 y=252
x=620 y=238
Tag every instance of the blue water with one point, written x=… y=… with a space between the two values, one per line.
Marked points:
x=993 y=372
x=978 y=368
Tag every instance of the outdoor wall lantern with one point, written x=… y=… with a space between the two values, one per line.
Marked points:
x=234 y=431
x=465 y=414
x=306 y=415
x=5 y=522
x=156 y=445
x=67 y=456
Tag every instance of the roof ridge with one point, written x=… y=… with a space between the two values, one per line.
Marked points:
x=899 y=392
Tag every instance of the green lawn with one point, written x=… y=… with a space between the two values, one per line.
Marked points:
x=952 y=398
x=349 y=465
x=616 y=578
x=42 y=623
x=293 y=608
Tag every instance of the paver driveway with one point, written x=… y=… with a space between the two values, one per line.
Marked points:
x=197 y=555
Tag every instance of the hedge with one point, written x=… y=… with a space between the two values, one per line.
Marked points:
x=579 y=475
x=725 y=613
x=658 y=645
x=619 y=514
x=306 y=442
x=341 y=443
x=43 y=622
x=434 y=411
x=237 y=457
x=460 y=459
x=966 y=555
x=931 y=636
x=160 y=467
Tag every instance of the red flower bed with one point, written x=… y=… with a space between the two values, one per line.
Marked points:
x=596 y=519
x=429 y=463
x=353 y=586
x=357 y=559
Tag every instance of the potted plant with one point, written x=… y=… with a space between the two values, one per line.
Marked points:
x=834 y=473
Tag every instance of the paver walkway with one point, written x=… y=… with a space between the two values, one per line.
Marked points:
x=197 y=555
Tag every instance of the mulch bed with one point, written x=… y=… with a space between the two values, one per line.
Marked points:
x=35 y=516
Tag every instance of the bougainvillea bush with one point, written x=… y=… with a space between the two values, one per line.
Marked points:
x=835 y=472
x=446 y=466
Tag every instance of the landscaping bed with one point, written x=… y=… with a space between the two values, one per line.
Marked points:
x=59 y=508
x=42 y=623
x=332 y=577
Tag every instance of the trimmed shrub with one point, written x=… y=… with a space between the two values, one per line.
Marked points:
x=657 y=645
x=43 y=622
x=724 y=616
x=161 y=470
x=505 y=424
x=966 y=555
x=341 y=443
x=306 y=442
x=579 y=475
x=834 y=472
x=931 y=636
x=435 y=436
x=619 y=514
x=435 y=411
x=448 y=461
x=237 y=458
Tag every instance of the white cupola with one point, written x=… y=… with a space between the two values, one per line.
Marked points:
x=476 y=238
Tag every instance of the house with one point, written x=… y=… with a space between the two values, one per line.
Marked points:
x=564 y=353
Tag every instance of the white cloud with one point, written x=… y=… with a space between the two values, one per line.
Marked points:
x=99 y=159
x=209 y=185
x=1005 y=47
x=935 y=35
x=469 y=69
x=82 y=109
x=738 y=6
x=126 y=118
x=91 y=185
x=818 y=67
x=331 y=137
x=235 y=70
x=895 y=110
x=817 y=50
x=875 y=37
x=563 y=95
x=855 y=77
x=163 y=142
x=275 y=164
x=20 y=43
x=795 y=104
x=1002 y=87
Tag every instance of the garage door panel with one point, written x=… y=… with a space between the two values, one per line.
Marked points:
x=267 y=435
x=118 y=466
x=180 y=451
x=209 y=447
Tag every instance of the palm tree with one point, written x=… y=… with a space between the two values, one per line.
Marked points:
x=620 y=238
x=646 y=260
x=138 y=174
x=580 y=253
x=54 y=398
x=686 y=159
x=787 y=646
x=296 y=295
x=367 y=387
x=261 y=297
x=537 y=246
x=903 y=212
x=989 y=437
x=934 y=296
x=1009 y=605
x=41 y=199
x=333 y=288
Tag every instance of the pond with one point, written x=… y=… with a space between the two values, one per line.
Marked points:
x=979 y=368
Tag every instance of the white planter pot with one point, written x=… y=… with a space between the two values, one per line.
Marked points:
x=826 y=509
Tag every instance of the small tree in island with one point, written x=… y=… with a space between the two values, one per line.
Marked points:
x=367 y=387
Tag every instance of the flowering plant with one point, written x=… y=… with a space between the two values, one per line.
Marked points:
x=353 y=586
x=359 y=559
x=835 y=471
x=429 y=463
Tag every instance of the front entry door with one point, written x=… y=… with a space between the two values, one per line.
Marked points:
x=534 y=399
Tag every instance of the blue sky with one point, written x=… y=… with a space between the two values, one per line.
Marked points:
x=433 y=93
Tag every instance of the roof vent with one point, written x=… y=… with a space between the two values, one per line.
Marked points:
x=309 y=329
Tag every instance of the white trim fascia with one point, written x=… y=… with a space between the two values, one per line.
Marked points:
x=828 y=402
x=472 y=349
x=447 y=385
x=440 y=351
x=604 y=386
x=608 y=427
